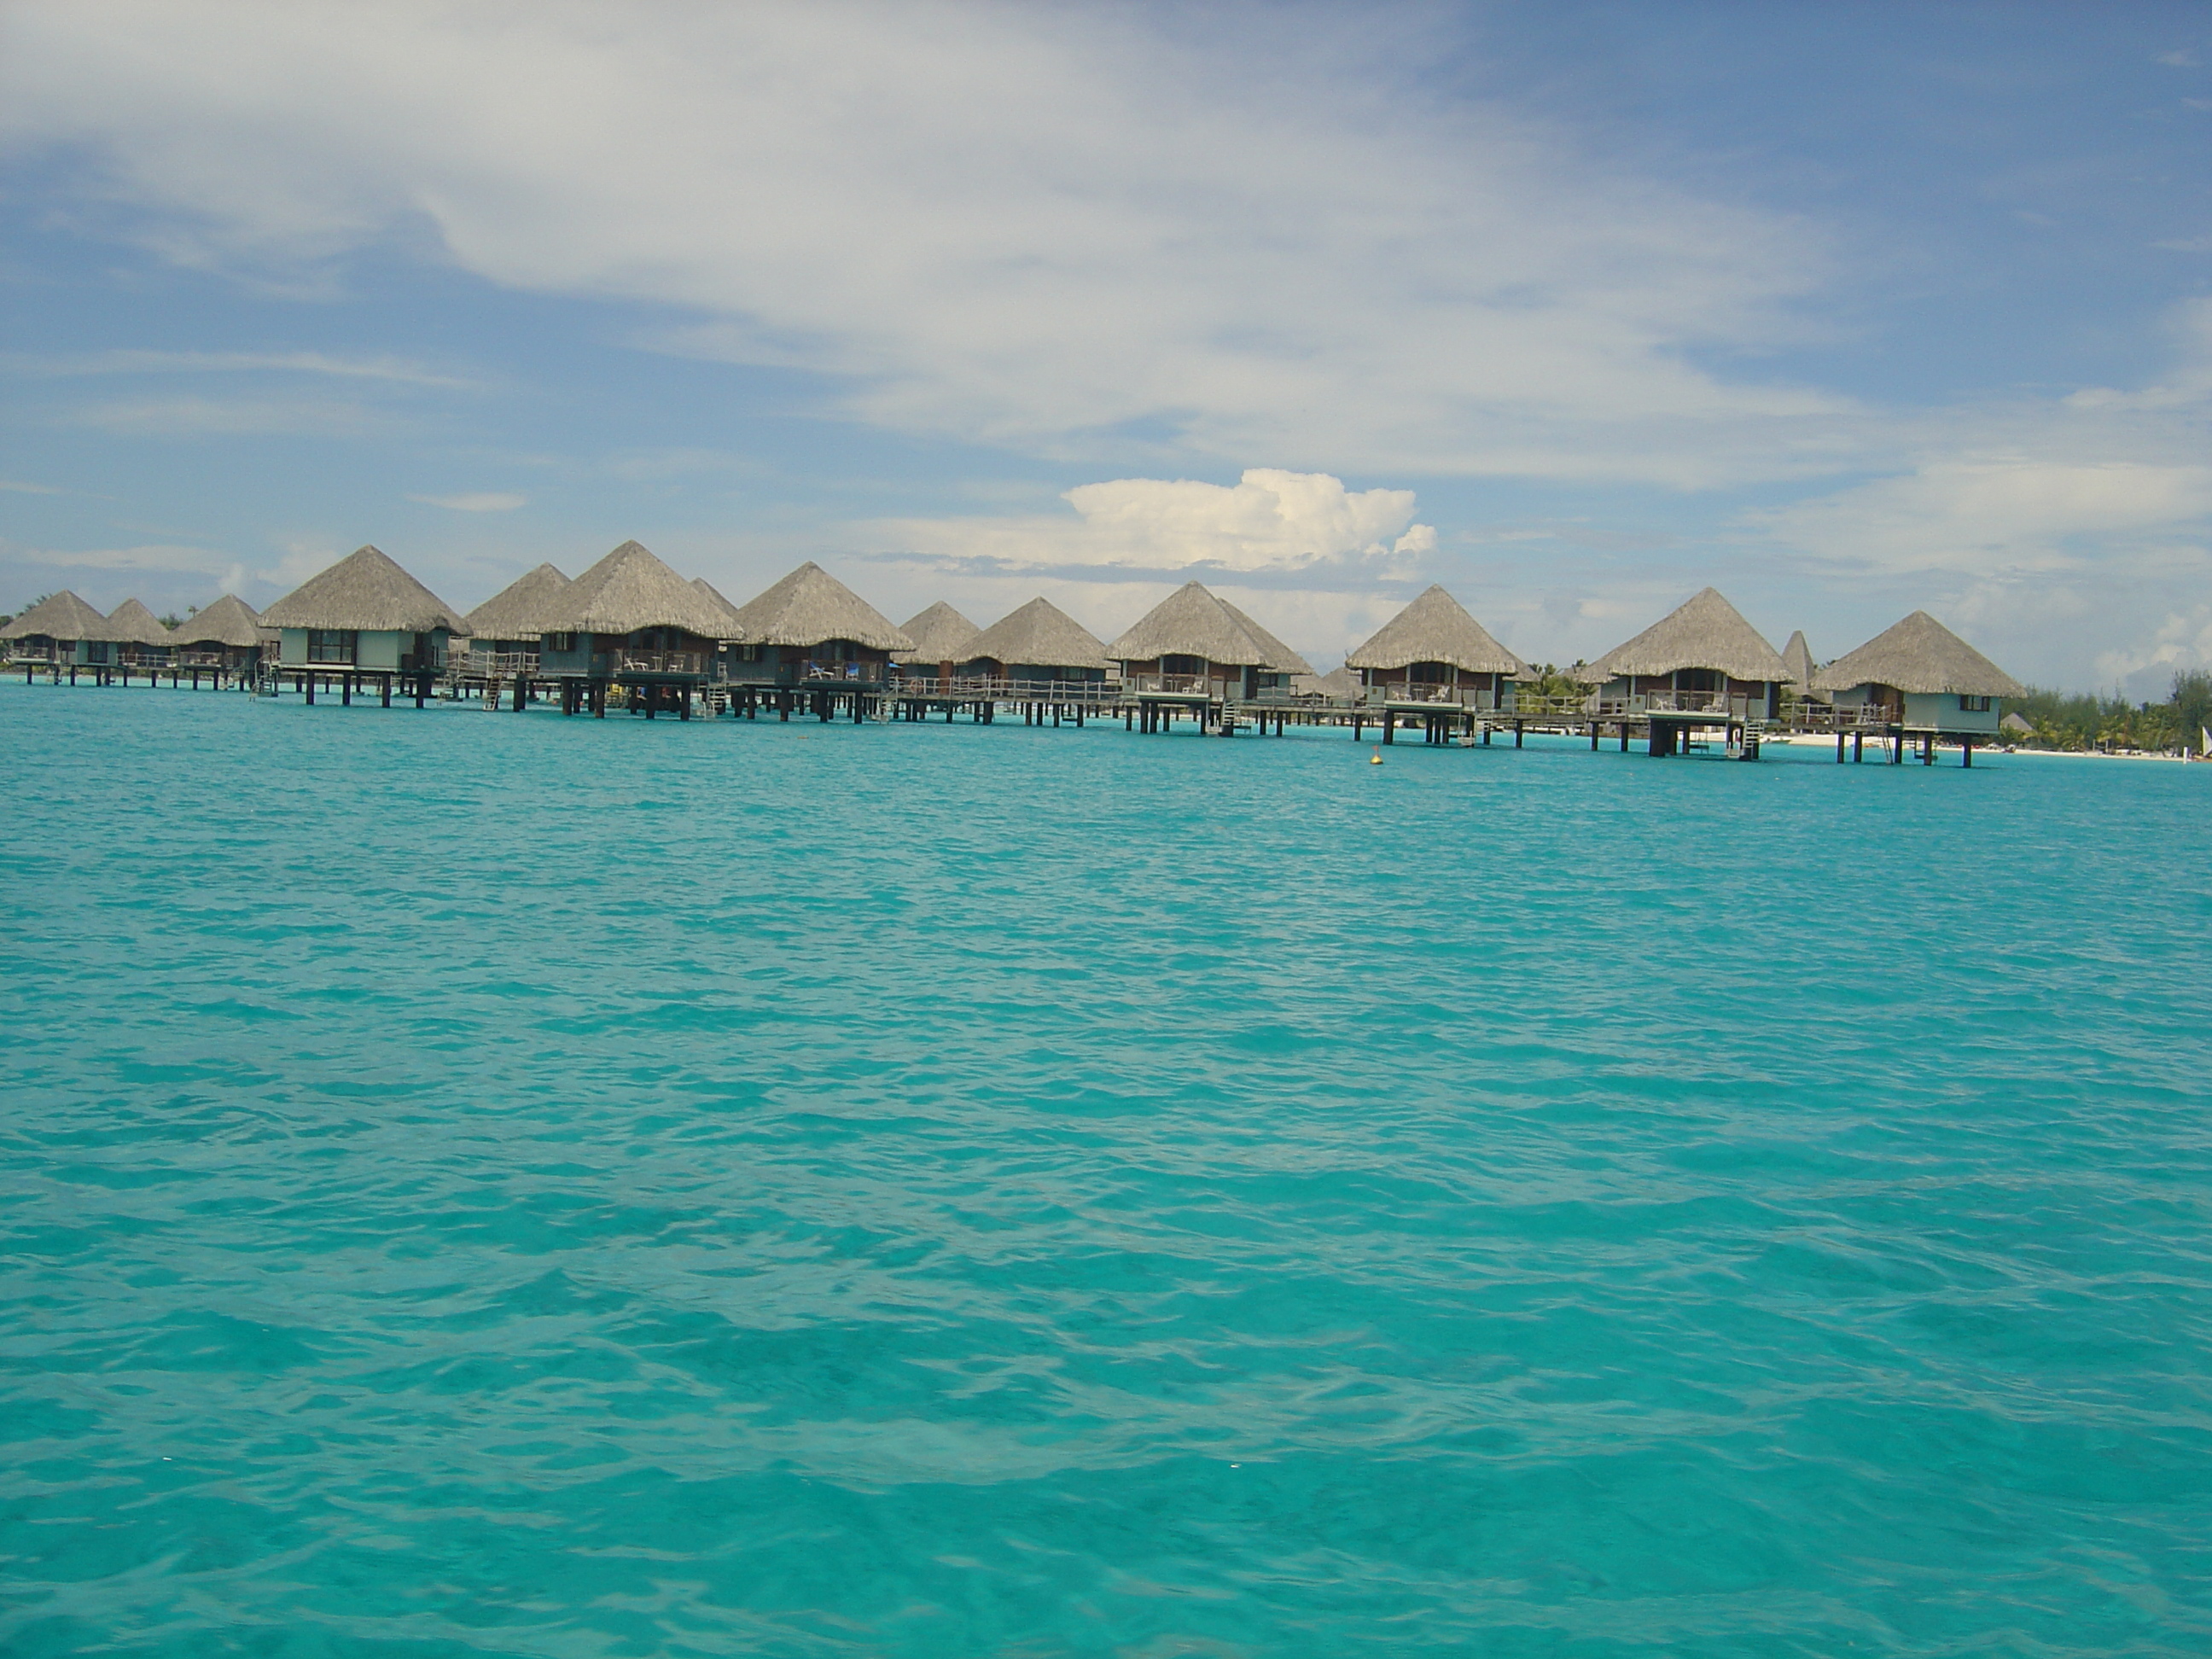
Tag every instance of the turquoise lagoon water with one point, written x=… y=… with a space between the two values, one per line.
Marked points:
x=490 y=1184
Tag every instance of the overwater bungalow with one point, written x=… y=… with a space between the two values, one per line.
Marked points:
x=942 y=640
x=1702 y=664
x=812 y=632
x=60 y=631
x=138 y=638
x=1194 y=650
x=504 y=630
x=1340 y=684
x=1917 y=679
x=1038 y=645
x=225 y=636
x=1434 y=652
x=363 y=619
x=631 y=621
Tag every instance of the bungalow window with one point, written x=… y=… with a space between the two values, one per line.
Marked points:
x=333 y=644
x=558 y=641
x=1974 y=705
x=744 y=653
x=1182 y=665
x=1697 y=679
x=95 y=651
x=1428 y=673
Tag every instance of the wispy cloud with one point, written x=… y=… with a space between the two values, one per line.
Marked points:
x=481 y=501
x=22 y=489
x=156 y=557
x=1082 y=233
x=389 y=369
x=211 y=417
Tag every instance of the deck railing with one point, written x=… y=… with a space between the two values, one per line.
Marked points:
x=660 y=662
x=1182 y=685
x=1464 y=698
x=499 y=662
x=991 y=688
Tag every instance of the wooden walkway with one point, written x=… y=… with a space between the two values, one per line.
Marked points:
x=653 y=692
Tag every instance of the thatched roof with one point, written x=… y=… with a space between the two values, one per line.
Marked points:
x=1339 y=681
x=731 y=627
x=940 y=633
x=1797 y=658
x=1919 y=654
x=229 y=621
x=132 y=624
x=2017 y=724
x=1436 y=628
x=523 y=609
x=1040 y=632
x=630 y=589
x=1193 y=622
x=1704 y=631
x=365 y=590
x=811 y=606
x=61 y=616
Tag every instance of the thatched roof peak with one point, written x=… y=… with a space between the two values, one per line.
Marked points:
x=523 y=609
x=365 y=590
x=630 y=589
x=811 y=606
x=60 y=616
x=1039 y=634
x=1797 y=658
x=1919 y=654
x=1194 y=621
x=132 y=624
x=732 y=629
x=940 y=633
x=229 y=621
x=1436 y=628
x=1703 y=631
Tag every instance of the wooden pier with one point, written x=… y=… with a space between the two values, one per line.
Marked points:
x=653 y=689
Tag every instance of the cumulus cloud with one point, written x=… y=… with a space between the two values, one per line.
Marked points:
x=1062 y=229
x=488 y=501
x=1268 y=521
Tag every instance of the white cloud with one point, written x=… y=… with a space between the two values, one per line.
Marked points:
x=487 y=501
x=1268 y=521
x=2144 y=669
x=18 y=487
x=1050 y=229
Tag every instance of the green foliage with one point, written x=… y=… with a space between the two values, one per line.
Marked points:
x=2192 y=707
x=170 y=619
x=1555 y=682
x=2081 y=719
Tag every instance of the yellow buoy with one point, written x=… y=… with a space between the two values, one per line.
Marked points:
x=1376 y=759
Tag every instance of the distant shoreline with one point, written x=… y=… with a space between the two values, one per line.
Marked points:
x=1817 y=740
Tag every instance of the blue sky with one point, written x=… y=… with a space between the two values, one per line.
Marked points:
x=1572 y=308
